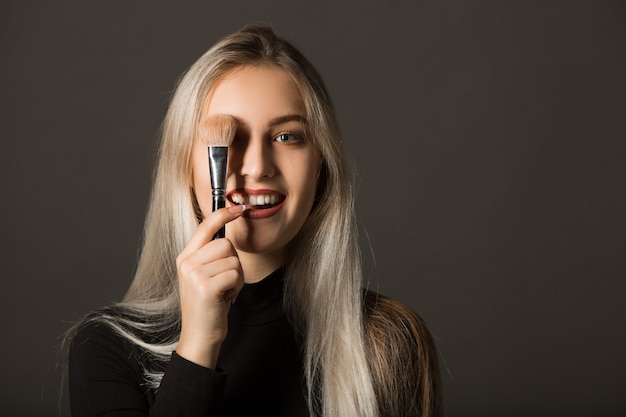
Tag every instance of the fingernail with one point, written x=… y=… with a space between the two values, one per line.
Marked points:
x=240 y=208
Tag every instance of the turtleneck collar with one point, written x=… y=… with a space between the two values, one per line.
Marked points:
x=260 y=302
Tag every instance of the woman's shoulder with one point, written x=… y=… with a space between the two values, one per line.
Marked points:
x=100 y=347
x=403 y=357
x=99 y=326
x=97 y=336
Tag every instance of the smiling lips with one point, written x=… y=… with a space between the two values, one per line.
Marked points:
x=260 y=203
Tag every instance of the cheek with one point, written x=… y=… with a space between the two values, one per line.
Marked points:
x=308 y=178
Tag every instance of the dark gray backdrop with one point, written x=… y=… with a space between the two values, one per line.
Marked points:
x=490 y=143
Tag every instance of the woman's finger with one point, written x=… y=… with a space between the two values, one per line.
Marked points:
x=209 y=227
x=204 y=280
x=210 y=252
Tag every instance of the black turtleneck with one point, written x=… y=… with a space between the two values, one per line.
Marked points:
x=260 y=368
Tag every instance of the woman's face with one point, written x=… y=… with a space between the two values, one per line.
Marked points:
x=272 y=167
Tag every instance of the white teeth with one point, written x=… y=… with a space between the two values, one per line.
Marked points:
x=237 y=199
x=254 y=200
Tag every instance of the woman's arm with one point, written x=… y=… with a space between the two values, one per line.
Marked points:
x=106 y=379
x=106 y=376
x=209 y=280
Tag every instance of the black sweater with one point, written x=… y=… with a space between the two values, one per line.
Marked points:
x=260 y=368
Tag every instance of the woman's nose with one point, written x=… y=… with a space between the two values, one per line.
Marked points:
x=256 y=159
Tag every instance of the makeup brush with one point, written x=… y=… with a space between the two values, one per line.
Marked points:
x=218 y=132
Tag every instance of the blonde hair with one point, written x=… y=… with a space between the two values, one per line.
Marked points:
x=323 y=268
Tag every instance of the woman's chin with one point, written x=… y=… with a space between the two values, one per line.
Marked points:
x=255 y=243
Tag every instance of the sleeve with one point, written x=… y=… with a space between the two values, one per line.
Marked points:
x=105 y=379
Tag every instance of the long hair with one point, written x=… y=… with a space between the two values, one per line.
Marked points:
x=323 y=281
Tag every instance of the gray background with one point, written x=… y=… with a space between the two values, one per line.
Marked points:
x=490 y=140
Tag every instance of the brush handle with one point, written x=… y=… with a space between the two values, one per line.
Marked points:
x=219 y=201
x=218 y=158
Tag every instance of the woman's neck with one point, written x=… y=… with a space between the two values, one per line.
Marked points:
x=257 y=266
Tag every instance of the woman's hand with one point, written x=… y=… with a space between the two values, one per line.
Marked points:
x=209 y=279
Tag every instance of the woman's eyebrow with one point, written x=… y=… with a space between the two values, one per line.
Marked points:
x=288 y=118
x=276 y=121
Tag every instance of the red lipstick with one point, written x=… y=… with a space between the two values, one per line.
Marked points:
x=261 y=203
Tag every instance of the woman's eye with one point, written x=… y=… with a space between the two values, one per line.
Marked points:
x=288 y=138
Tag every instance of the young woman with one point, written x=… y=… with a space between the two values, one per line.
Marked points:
x=273 y=319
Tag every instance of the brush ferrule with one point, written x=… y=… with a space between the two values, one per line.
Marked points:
x=218 y=158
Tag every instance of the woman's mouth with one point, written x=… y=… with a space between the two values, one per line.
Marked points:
x=259 y=203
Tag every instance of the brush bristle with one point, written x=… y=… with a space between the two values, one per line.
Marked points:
x=218 y=130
